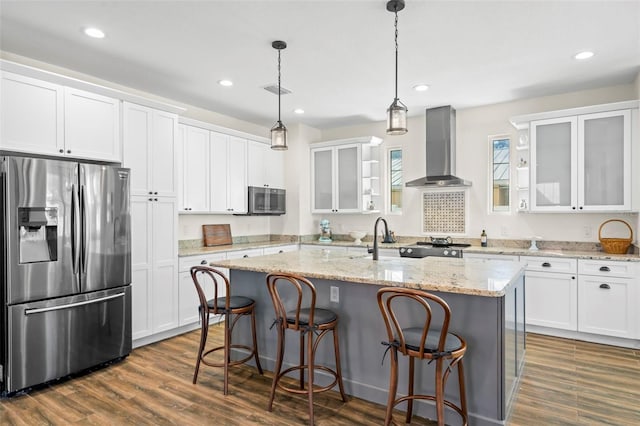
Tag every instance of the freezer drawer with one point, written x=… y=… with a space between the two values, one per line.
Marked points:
x=53 y=338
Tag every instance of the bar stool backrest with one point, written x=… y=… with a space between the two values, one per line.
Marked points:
x=398 y=299
x=202 y=275
x=292 y=290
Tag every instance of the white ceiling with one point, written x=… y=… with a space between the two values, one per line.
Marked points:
x=339 y=60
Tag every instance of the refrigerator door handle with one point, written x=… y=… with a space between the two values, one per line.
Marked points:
x=75 y=223
x=72 y=305
x=84 y=233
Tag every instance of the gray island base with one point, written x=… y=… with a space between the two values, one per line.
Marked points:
x=486 y=300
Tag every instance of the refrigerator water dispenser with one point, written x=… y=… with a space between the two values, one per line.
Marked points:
x=38 y=229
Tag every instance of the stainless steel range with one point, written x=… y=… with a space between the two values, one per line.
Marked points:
x=436 y=248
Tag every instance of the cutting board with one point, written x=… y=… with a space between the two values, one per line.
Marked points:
x=216 y=235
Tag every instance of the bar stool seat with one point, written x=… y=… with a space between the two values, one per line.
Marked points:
x=232 y=308
x=432 y=342
x=310 y=322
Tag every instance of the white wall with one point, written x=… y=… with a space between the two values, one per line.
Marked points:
x=474 y=125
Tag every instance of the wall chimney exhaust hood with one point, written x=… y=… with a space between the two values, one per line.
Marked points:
x=441 y=150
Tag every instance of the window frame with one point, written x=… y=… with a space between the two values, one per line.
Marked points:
x=388 y=171
x=506 y=210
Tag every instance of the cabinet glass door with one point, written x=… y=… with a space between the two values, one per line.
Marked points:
x=323 y=180
x=347 y=178
x=604 y=154
x=554 y=143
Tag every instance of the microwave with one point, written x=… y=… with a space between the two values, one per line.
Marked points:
x=267 y=201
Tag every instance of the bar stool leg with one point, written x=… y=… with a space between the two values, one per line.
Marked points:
x=393 y=386
x=463 y=393
x=204 y=329
x=301 y=363
x=227 y=343
x=336 y=348
x=310 y=360
x=439 y=392
x=255 y=341
x=410 y=389
x=276 y=373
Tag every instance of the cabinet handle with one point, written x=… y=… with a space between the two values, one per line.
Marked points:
x=246 y=255
x=605 y=286
x=150 y=193
x=605 y=269
x=155 y=193
x=155 y=199
x=574 y=207
x=546 y=265
x=573 y=278
x=150 y=199
x=580 y=207
x=68 y=151
x=281 y=251
x=203 y=262
x=61 y=151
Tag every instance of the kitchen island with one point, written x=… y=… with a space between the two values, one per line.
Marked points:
x=486 y=299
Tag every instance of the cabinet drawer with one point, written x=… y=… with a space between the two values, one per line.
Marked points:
x=550 y=264
x=509 y=257
x=187 y=262
x=280 y=249
x=607 y=268
x=244 y=253
x=608 y=306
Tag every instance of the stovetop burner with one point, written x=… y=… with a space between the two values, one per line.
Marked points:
x=425 y=249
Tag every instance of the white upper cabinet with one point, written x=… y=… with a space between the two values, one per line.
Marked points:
x=31 y=115
x=195 y=184
x=581 y=161
x=265 y=165
x=91 y=125
x=228 y=174
x=342 y=181
x=149 y=150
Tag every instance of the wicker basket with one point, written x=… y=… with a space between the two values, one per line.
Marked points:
x=615 y=245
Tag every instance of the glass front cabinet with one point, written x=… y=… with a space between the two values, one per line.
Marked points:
x=581 y=162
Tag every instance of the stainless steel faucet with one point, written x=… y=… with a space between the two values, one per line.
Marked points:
x=387 y=237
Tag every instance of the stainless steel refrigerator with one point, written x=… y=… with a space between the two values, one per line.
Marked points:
x=66 y=268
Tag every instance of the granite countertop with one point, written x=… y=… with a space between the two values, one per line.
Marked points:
x=514 y=251
x=198 y=251
x=465 y=276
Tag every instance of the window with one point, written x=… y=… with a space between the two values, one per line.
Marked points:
x=395 y=180
x=500 y=174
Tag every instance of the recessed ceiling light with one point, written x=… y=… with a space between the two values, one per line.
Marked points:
x=420 y=87
x=94 y=32
x=584 y=55
x=298 y=111
x=225 y=83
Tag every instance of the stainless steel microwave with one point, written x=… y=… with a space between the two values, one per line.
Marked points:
x=264 y=200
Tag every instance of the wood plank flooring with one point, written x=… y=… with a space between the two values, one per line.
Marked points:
x=565 y=382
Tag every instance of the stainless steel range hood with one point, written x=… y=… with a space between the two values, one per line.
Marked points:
x=441 y=150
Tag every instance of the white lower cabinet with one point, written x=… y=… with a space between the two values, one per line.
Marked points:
x=490 y=256
x=551 y=292
x=608 y=298
x=154 y=267
x=188 y=296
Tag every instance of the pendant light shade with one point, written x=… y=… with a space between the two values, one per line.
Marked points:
x=397 y=111
x=279 y=131
x=279 y=136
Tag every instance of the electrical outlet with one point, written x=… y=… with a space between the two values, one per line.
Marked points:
x=335 y=294
x=587 y=233
x=504 y=231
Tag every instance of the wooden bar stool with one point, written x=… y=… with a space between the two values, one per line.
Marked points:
x=233 y=308
x=426 y=341
x=309 y=321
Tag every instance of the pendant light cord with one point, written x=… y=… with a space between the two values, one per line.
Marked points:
x=396 y=40
x=279 y=91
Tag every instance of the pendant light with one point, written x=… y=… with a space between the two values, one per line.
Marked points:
x=279 y=131
x=397 y=112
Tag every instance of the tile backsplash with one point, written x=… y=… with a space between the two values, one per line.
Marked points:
x=444 y=212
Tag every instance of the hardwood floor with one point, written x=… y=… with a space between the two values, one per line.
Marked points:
x=565 y=382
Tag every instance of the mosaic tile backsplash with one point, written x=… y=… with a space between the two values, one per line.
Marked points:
x=444 y=212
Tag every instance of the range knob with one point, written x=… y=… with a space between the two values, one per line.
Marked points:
x=453 y=252
x=409 y=250
x=446 y=252
x=402 y=250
